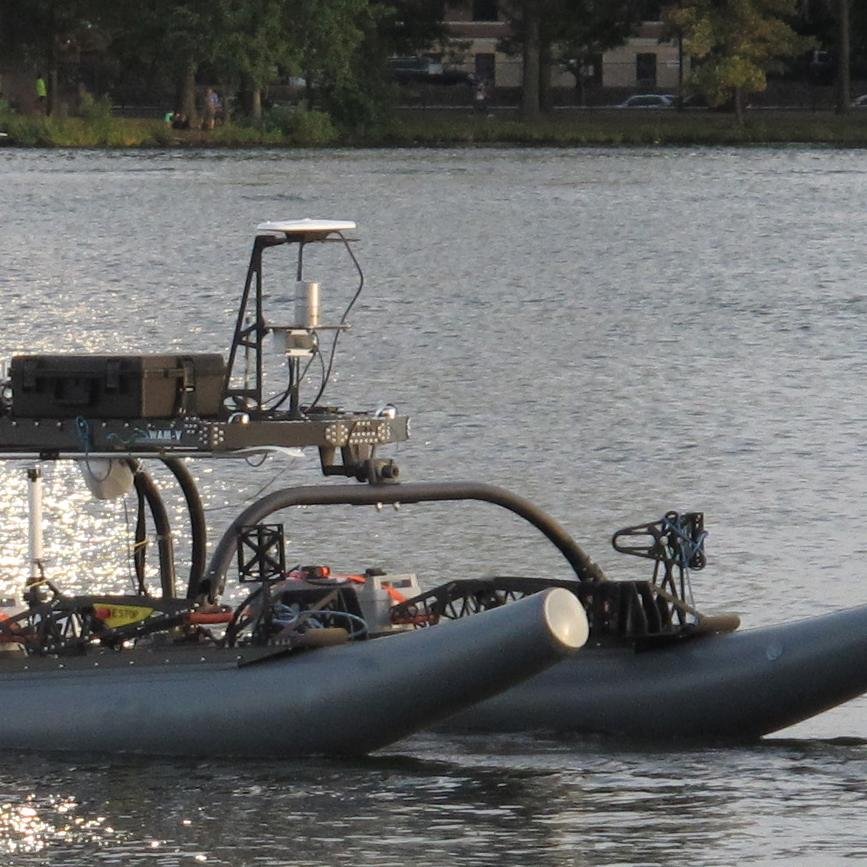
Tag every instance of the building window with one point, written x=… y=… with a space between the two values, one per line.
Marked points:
x=645 y=70
x=485 y=10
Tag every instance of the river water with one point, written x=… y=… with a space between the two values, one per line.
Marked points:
x=613 y=333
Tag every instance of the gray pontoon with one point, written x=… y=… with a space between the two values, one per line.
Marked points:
x=654 y=667
x=277 y=700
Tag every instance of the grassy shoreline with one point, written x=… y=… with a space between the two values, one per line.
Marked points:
x=443 y=128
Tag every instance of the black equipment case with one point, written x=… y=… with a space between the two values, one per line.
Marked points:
x=117 y=386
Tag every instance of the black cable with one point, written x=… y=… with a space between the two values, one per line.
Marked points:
x=261 y=490
x=233 y=627
x=338 y=331
x=283 y=395
x=249 y=463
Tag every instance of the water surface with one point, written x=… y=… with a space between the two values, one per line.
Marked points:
x=613 y=333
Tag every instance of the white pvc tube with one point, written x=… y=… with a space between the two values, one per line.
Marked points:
x=34 y=497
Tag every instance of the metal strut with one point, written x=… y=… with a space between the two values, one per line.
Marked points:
x=250 y=336
x=328 y=495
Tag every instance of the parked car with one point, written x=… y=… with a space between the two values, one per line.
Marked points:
x=649 y=100
x=423 y=69
x=694 y=100
x=860 y=102
x=455 y=76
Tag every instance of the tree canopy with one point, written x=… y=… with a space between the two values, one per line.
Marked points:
x=566 y=34
x=168 y=49
x=735 y=43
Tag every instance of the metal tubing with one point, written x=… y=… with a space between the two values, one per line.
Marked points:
x=34 y=500
x=370 y=495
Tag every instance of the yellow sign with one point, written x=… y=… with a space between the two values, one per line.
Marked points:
x=122 y=615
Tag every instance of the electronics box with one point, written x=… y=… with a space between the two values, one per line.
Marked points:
x=117 y=386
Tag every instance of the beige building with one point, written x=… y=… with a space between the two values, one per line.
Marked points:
x=647 y=61
x=475 y=28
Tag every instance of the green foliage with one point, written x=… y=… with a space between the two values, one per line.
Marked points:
x=576 y=30
x=239 y=136
x=588 y=28
x=449 y=129
x=313 y=128
x=38 y=131
x=254 y=40
x=94 y=109
x=300 y=126
x=160 y=51
x=405 y=27
x=735 y=43
x=624 y=129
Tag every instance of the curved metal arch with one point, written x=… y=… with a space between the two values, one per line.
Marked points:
x=328 y=495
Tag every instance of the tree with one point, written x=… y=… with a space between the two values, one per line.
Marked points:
x=257 y=40
x=347 y=44
x=45 y=35
x=173 y=36
x=566 y=33
x=588 y=29
x=843 y=57
x=406 y=27
x=532 y=45
x=830 y=21
x=736 y=43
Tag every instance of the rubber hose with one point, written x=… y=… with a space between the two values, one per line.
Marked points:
x=145 y=485
x=198 y=527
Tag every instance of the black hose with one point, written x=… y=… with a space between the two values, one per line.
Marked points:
x=144 y=484
x=139 y=550
x=198 y=527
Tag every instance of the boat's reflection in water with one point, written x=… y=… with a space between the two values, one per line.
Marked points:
x=494 y=801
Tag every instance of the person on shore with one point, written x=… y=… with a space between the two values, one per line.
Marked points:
x=219 y=108
x=213 y=107
x=480 y=96
x=41 y=94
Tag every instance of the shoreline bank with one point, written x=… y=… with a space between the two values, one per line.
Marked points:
x=443 y=128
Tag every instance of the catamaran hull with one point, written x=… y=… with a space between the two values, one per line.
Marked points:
x=739 y=685
x=348 y=699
